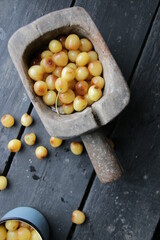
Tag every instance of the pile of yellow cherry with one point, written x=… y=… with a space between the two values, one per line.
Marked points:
x=16 y=230
x=41 y=152
x=68 y=74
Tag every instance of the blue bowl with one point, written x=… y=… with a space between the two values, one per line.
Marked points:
x=31 y=216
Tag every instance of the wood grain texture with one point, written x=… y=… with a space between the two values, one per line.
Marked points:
x=129 y=208
x=123 y=25
x=13 y=98
x=23 y=190
x=115 y=94
x=102 y=156
x=54 y=185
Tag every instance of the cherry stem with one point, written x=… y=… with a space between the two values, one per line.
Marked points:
x=57 y=102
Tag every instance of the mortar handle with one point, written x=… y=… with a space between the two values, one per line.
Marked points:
x=102 y=156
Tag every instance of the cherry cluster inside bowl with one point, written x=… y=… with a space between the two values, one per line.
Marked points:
x=68 y=74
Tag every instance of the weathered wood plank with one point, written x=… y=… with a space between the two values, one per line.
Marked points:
x=119 y=211
x=58 y=173
x=13 y=98
x=129 y=208
x=123 y=25
x=54 y=185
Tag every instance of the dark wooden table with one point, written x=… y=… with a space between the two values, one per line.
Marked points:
x=124 y=210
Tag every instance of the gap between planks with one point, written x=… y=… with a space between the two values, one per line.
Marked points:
x=30 y=108
x=156 y=235
x=11 y=156
x=73 y=3
x=143 y=44
x=91 y=181
x=87 y=191
x=92 y=178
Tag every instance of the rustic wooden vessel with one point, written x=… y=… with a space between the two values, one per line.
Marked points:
x=37 y=34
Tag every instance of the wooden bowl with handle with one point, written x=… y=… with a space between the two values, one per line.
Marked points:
x=39 y=33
